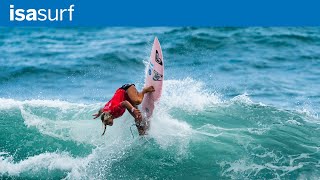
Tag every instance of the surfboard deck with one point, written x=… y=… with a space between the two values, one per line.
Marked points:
x=154 y=77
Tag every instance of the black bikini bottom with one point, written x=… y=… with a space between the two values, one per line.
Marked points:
x=126 y=86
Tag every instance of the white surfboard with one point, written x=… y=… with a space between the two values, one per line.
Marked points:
x=154 y=77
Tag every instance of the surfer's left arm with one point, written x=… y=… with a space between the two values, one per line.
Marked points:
x=98 y=114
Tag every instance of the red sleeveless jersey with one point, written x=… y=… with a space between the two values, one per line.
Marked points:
x=114 y=105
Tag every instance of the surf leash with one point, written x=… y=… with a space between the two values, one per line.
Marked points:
x=131 y=130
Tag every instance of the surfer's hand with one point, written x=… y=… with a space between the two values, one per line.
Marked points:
x=96 y=115
x=148 y=89
x=137 y=114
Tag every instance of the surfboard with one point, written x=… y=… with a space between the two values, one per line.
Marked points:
x=154 y=77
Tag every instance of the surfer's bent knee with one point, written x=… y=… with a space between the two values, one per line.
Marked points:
x=137 y=101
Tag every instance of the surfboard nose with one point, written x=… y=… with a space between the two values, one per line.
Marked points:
x=156 y=40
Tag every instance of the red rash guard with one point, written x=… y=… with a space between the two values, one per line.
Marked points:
x=114 y=105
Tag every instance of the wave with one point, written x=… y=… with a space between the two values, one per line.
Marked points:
x=191 y=127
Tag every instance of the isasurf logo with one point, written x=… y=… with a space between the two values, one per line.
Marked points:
x=19 y=14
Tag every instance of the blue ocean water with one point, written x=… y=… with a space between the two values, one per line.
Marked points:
x=237 y=103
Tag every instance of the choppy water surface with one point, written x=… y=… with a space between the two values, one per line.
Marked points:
x=237 y=103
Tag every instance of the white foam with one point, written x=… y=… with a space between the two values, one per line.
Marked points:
x=187 y=94
x=308 y=111
x=220 y=130
x=94 y=166
x=33 y=164
x=65 y=129
x=247 y=168
x=66 y=121
x=11 y=103
x=293 y=122
x=243 y=98
x=8 y=103
x=167 y=130
x=241 y=166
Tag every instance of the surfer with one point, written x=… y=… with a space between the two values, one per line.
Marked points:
x=126 y=97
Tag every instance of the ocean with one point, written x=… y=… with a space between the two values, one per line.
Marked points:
x=237 y=103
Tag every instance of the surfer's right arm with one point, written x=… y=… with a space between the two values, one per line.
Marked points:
x=132 y=110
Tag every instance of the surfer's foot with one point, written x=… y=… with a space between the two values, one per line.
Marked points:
x=148 y=89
